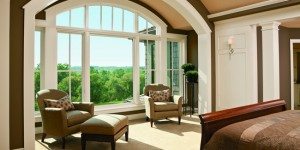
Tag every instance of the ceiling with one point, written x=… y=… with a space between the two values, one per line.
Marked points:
x=175 y=19
x=215 y=6
x=291 y=23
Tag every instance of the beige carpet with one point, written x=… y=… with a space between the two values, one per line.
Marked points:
x=165 y=135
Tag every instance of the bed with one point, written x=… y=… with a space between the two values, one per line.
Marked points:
x=266 y=125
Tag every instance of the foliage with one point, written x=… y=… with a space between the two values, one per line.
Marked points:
x=108 y=85
x=187 y=67
x=192 y=76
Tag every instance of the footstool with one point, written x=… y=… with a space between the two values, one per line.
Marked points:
x=104 y=128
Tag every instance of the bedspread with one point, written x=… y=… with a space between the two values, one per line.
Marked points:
x=279 y=131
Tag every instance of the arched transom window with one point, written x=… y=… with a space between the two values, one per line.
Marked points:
x=105 y=17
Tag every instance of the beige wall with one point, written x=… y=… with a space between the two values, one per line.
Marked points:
x=4 y=75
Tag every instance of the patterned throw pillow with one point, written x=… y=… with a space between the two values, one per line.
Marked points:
x=160 y=96
x=64 y=103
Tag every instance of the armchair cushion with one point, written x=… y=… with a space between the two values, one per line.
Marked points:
x=75 y=117
x=165 y=106
x=160 y=96
x=64 y=103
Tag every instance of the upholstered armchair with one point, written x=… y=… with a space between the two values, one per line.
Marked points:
x=163 y=109
x=60 y=123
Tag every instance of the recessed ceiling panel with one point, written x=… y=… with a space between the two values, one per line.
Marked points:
x=215 y=6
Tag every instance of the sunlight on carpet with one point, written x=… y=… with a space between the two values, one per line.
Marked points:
x=165 y=135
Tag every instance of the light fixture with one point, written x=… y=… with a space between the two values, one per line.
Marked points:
x=230 y=43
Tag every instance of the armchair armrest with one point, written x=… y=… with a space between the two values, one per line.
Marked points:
x=54 y=121
x=178 y=100
x=85 y=106
x=149 y=106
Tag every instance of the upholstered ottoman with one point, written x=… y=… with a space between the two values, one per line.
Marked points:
x=104 y=128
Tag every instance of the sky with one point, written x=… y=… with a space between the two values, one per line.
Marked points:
x=104 y=50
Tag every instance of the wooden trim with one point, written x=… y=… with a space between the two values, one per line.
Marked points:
x=211 y=122
x=256 y=10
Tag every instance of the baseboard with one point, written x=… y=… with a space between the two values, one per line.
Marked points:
x=39 y=130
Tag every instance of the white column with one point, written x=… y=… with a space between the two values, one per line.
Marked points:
x=4 y=76
x=86 y=67
x=270 y=52
x=136 y=70
x=204 y=70
x=29 y=120
x=49 y=57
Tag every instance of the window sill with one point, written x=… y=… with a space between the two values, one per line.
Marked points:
x=104 y=109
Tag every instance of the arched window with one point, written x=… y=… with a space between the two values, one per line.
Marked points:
x=106 y=53
x=104 y=17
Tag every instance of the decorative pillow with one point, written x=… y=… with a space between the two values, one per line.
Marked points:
x=64 y=103
x=160 y=96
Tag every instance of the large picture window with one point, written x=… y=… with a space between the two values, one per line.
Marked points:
x=69 y=62
x=110 y=70
x=107 y=53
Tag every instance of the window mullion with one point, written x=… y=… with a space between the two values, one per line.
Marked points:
x=70 y=86
x=136 y=23
x=86 y=18
x=122 y=20
x=112 y=18
x=101 y=22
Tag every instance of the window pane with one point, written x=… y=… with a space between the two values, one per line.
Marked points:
x=142 y=25
x=169 y=78
x=118 y=15
x=143 y=74
x=76 y=88
x=76 y=51
x=151 y=53
x=110 y=70
x=169 y=55
x=63 y=19
x=175 y=82
x=175 y=55
x=106 y=17
x=37 y=72
x=128 y=21
x=147 y=62
x=63 y=81
x=37 y=83
x=151 y=28
x=77 y=17
x=62 y=48
x=94 y=17
x=37 y=49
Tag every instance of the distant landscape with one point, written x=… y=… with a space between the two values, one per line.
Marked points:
x=108 y=85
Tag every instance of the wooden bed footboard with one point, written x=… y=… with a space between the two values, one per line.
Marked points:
x=211 y=122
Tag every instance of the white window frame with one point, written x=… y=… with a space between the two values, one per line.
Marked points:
x=70 y=71
x=172 y=67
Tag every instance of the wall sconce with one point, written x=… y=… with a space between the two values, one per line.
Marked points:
x=230 y=43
